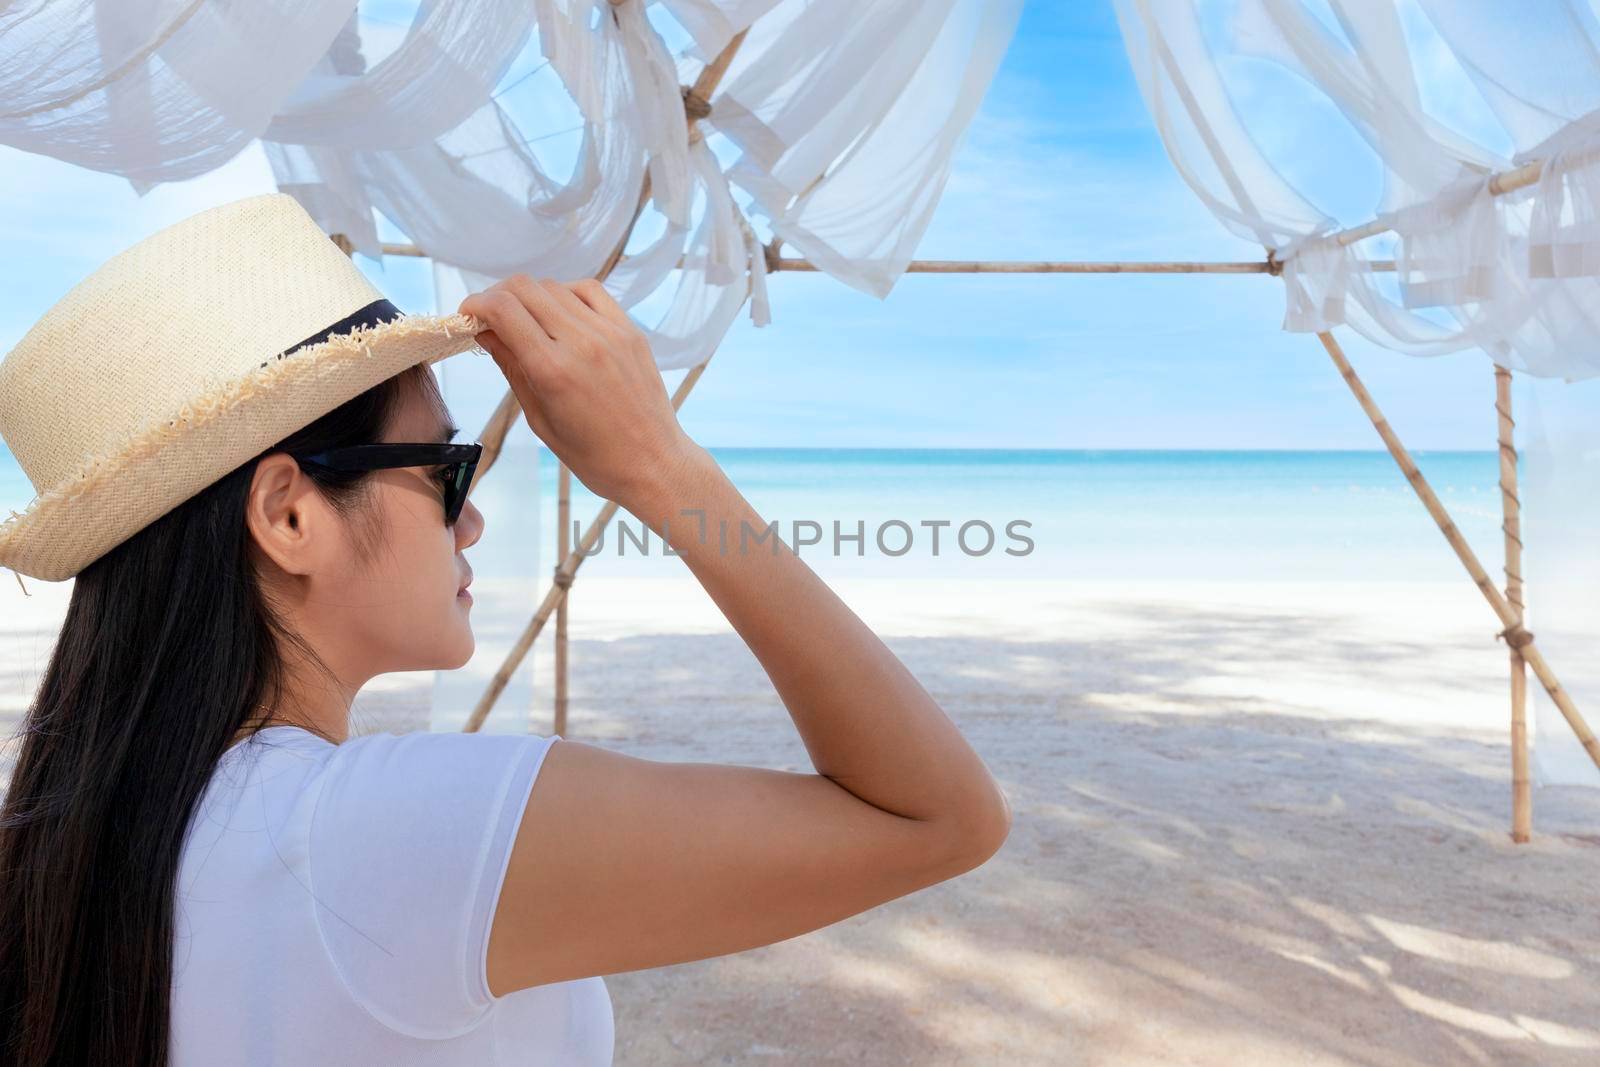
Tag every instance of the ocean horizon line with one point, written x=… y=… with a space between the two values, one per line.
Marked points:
x=1075 y=449
x=1088 y=450
x=8 y=459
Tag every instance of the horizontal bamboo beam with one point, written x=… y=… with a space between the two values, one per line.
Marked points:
x=1005 y=266
x=1047 y=266
x=1505 y=181
x=996 y=266
x=1499 y=184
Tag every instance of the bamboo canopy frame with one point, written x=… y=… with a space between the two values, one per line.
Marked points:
x=1507 y=605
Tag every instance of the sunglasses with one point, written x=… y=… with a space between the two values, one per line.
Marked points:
x=456 y=465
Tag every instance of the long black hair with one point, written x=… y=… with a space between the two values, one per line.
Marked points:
x=169 y=649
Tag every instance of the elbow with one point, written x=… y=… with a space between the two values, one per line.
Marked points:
x=983 y=832
x=997 y=830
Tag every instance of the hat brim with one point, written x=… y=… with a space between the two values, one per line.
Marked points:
x=67 y=527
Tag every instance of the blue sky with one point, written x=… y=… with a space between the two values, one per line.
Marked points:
x=1062 y=162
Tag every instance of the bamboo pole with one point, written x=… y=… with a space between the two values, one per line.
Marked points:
x=1003 y=266
x=493 y=437
x=563 y=513
x=696 y=100
x=1515 y=636
x=776 y=264
x=1504 y=182
x=563 y=581
x=1508 y=607
x=1511 y=526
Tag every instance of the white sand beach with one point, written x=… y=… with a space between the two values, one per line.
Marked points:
x=1254 y=824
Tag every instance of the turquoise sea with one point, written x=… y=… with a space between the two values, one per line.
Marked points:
x=1111 y=514
x=1090 y=514
x=1256 y=515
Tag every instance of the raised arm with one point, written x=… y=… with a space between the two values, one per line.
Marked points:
x=624 y=863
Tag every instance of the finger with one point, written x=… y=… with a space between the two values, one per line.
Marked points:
x=594 y=293
x=524 y=351
x=505 y=314
x=497 y=348
x=558 y=322
x=574 y=304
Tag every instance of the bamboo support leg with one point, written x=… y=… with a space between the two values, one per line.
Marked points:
x=563 y=581
x=493 y=437
x=1511 y=525
x=1516 y=637
x=696 y=106
x=563 y=511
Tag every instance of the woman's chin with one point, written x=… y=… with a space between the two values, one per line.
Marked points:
x=463 y=647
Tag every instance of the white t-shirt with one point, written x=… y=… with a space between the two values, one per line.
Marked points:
x=334 y=907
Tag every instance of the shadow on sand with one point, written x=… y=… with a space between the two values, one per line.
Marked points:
x=1195 y=875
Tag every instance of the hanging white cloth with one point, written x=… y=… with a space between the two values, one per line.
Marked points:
x=154 y=90
x=1513 y=272
x=1560 y=489
x=845 y=118
x=855 y=196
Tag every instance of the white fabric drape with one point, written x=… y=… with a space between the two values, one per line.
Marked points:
x=720 y=265
x=845 y=117
x=155 y=90
x=1561 y=502
x=1517 y=275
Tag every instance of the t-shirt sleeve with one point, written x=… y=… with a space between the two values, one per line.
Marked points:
x=408 y=847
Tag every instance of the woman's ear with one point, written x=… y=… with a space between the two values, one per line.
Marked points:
x=280 y=514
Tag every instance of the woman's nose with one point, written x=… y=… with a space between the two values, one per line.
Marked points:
x=469 y=525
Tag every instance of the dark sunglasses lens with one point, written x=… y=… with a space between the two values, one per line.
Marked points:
x=455 y=490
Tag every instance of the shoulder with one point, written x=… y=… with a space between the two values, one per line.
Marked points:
x=437 y=766
x=407 y=850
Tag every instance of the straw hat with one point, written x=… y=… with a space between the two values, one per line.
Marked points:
x=183 y=357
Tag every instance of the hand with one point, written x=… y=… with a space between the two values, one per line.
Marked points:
x=586 y=380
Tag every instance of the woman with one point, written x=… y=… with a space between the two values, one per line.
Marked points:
x=199 y=864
